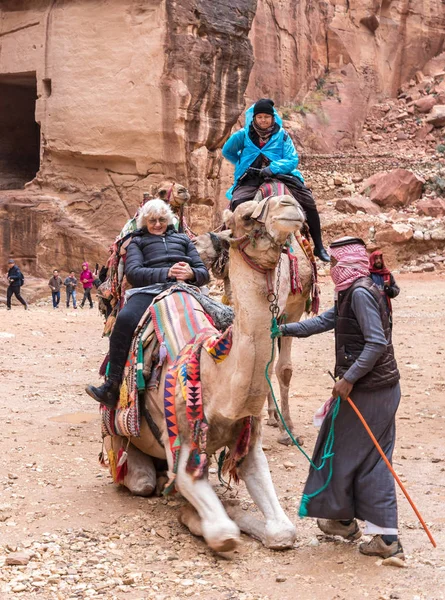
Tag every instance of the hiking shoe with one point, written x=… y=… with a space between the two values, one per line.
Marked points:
x=377 y=547
x=107 y=394
x=8 y=308
x=332 y=527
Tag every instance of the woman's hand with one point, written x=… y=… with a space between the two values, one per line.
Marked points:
x=181 y=271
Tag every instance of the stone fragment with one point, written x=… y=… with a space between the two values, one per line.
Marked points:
x=426 y=103
x=393 y=561
x=428 y=267
x=355 y=203
x=280 y=579
x=18 y=558
x=431 y=207
x=423 y=132
x=437 y=116
x=418 y=235
x=438 y=235
x=399 y=187
x=394 y=234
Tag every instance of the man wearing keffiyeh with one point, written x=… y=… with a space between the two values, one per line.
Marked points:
x=366 y=370
x=384 y=280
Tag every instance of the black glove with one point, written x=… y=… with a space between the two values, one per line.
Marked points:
x=266 y=172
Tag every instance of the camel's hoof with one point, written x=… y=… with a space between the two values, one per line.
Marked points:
x=281 y=537
x=271 y=422
x=161 y=482
x=225 y=545
x=286 y=441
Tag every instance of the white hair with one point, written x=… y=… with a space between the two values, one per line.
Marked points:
x=152 y=209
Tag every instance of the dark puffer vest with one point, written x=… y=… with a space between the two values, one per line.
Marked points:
x=349 y=340
x=149 y=258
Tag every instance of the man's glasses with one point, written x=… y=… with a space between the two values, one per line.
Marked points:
x=161 y=220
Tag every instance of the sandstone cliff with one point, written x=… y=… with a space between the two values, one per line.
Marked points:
x=129 y=92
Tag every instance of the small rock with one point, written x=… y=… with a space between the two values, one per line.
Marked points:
x=18 y=558
x=393 y=561
x=289 y=465
x=19 y=588
x=280 y=579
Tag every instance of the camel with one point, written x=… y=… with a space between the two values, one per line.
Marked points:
x=292 y=306
x=177 y=195
x=232 y=390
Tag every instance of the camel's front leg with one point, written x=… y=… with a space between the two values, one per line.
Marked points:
x=220 y=532
x=277 y=532
x=283 y=371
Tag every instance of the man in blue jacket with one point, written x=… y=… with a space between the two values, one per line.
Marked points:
x=15 y=280
x=263 y=145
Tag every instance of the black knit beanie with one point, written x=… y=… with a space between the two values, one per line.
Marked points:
x=265 y=106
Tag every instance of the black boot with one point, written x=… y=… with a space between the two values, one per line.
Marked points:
x=107 y=394
x=322 y=254
x=313 y=221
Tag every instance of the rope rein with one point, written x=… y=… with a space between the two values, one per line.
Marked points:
x=328 y=454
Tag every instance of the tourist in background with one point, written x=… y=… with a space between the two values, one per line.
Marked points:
x=15 y=282
x=86 y=279
x=55 y=283
x=70 y=285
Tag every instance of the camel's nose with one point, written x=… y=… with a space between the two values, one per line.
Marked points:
x=287 y=201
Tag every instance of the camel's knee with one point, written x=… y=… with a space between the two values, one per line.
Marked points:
x=140 y=478
x=284 y=375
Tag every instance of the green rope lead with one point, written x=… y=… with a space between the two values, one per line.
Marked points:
x=327 y=455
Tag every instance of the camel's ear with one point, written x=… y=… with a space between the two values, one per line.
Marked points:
x=228 y=219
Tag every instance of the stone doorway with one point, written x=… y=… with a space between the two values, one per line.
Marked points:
x=19 y=132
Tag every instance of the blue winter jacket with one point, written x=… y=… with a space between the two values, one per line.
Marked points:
x=242 y=152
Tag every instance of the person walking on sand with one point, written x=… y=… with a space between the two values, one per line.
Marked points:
x=361 y=486
x=70 y=285
x=15 y=282
x=86 y=279
x=55 y=283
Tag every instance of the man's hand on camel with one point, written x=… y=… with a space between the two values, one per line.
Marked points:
x=182 y=271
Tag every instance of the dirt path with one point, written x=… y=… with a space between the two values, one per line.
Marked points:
x=89 y=539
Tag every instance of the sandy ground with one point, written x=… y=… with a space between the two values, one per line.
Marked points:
x=87 y=538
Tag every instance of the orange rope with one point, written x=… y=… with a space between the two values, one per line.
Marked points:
x=388 y=464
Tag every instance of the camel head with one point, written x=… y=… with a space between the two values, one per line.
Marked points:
x=211 y=245
x=174 y=193
x=267 y=224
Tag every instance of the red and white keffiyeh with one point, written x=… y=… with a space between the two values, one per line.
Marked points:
x=352 y=263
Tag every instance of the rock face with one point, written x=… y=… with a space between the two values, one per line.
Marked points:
x=330 y=60
x=396 y=188
x=100 y=100
x=124 y=94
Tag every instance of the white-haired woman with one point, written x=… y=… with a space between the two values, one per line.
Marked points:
x=157 y=257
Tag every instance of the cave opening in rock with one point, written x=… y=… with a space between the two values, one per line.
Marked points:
x=19 y=132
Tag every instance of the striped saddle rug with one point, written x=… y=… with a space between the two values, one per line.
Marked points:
x=167 y=326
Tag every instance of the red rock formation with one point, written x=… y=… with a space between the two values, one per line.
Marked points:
x=399 y=187
x=127 y=93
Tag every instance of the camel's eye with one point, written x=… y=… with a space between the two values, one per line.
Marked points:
x=182 y=191
x=247 y=218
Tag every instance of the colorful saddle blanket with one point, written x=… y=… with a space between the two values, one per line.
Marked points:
x=174 y=318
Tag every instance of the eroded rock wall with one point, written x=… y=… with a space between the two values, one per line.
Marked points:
x=129 y=92
x=329 y=60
